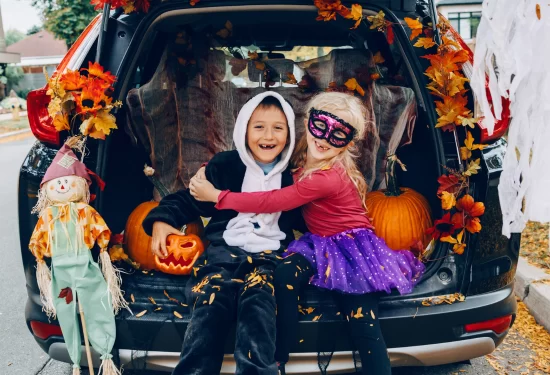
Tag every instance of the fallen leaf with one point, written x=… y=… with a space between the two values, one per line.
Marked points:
x=212 y=296
x=372 y=314
x=152 y=300
x=249 y=258
x=178 y=315
x=139 y=315
x=290 y=287
x=377 y=58
x=537 y=10
x=66 y=293
x=132 y=298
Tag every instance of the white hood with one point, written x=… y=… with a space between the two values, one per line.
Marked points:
x=241 y=231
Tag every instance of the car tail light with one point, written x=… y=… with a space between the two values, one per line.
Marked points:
x=497 y=325
x=500 y=125
x=39 y=120
x=45 y=330
x=37 y=101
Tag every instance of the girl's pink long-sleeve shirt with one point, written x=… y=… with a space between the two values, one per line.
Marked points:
x=330 y=202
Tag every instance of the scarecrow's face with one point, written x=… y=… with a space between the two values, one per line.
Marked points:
x=66 y=189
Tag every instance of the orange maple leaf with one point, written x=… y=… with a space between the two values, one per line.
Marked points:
x=96 y=70
x=353 y=85
x=72 y=80
x=61 y=122
x=415 y=26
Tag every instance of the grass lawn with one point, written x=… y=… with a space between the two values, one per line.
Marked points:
x=7 y=126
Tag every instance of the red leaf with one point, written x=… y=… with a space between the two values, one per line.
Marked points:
x=390 y=34
x=66 y=293
x=448 y=183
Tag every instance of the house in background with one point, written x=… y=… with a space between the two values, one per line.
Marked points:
x=37 y=51
x=464 y=16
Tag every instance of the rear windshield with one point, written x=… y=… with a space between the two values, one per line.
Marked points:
x=198 y=72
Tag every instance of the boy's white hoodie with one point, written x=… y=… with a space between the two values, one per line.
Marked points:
x=241 y=231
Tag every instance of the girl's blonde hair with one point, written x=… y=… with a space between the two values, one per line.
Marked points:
x=338 y=104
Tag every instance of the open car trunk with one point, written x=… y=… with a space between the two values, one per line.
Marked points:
x=190 y=76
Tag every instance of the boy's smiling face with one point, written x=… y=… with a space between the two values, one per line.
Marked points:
x=267 y=133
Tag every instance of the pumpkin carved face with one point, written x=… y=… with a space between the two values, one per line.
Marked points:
x=183 y=252
x=138 y=243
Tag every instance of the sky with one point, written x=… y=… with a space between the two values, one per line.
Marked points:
x=19 y=14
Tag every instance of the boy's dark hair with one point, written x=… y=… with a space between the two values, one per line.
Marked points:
x=271 y=101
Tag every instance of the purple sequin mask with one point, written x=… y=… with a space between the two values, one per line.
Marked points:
x=325 y=125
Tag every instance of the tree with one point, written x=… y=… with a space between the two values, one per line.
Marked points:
x=66 y=18
x=14 y=36
x=34 y=29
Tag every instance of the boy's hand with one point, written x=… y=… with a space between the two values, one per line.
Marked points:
x=161 y=230
x=202 y=190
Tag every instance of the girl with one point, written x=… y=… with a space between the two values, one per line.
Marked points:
x=341 y=253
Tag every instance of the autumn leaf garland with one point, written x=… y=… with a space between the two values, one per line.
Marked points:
x=84 y=96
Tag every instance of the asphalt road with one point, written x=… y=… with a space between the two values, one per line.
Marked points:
x=19 y=354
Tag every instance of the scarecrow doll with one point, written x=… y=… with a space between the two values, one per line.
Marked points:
x=66 y=231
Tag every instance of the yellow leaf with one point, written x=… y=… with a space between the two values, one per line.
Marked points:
x=378 y=58
x=372 y=314
x=415 y=26
x=132 y=298
x=233 y=256
x=301 y=341
x=465 y=153
x=425 y=42
x=152 y=300
x=61 y=122
x=237 y=280
x=353 y=85
x=469 y=121
x=139 y=315
x=327 y=272
x=99 y=126
x=317 y=318
x=448 y=239
x=178 y=315
x=459 y=248
x=537 y=10
x=473 y=166
x=249 y=258
x=356 y=12
x=290 y=287
x=249 y=355
x=448 y=200
x=378 y=21
x=212 y=296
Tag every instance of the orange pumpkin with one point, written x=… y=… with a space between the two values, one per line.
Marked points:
x=400 y=215
x=138 y=243
x=183 y=252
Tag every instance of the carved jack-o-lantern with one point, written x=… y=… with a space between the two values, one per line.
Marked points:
x=183 y=252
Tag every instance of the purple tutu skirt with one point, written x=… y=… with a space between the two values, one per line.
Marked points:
x=356 y=261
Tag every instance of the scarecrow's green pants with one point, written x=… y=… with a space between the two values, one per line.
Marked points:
x=74 y=267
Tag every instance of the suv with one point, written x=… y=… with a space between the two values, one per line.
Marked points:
x=183 y=76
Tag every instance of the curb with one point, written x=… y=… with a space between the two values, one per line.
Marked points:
x=532 y=286
x=16 y=135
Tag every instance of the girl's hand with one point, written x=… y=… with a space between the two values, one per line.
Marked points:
x=202 y=190
x=161 y=230
x=201 y=174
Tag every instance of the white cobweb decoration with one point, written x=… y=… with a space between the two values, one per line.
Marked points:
x=513 y=51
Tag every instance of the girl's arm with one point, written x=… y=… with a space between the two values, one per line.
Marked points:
x=318 y=185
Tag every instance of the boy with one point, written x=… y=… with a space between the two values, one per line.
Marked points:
x=235 y=273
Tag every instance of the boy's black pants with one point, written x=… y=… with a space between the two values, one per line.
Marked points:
x=232 y=285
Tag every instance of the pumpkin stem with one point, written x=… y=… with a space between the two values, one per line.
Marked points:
x=392 y=188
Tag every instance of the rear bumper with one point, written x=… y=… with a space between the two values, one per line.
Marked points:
x=306 y=363
x=416 y=336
